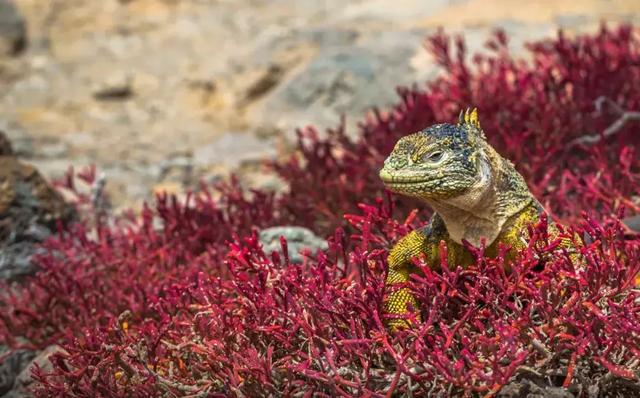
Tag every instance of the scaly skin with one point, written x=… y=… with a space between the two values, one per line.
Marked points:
x=476 y=194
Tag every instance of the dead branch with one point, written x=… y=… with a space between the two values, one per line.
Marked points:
x=614 y=128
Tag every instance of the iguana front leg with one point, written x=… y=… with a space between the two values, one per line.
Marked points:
x=400 y=267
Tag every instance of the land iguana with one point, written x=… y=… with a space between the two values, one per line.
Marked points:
x=476 y=194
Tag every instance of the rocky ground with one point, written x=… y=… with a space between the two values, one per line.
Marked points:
x=161 y=93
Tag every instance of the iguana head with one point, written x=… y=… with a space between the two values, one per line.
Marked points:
x=440 y=162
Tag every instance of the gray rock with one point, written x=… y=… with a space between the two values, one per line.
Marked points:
x=526 y=388
x=13 y=32
x=29 y=209
x=633 y=222
x=348 y=78
x=16 y=261
x=23 y=380
x=299 y=241
x=11 y=367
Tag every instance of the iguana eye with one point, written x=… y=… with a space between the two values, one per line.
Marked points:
x=433 y=157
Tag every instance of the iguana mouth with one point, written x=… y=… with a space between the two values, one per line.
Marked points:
x=391 y=184
x=390 y=179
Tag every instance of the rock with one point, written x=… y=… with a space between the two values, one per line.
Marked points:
x=264 y=83
x=11 y=367
x=299 y=240
x=29 y=210
x=526 y=388
x=15 y=258
x=632 y=222
x=24 y=379
x=539 y=383
x=616 y=387
x=348 y=78
x=13 y=32
x=115 y=86
x=5 y=146
x=27 y=199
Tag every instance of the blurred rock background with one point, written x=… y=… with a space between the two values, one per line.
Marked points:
x=161 y=93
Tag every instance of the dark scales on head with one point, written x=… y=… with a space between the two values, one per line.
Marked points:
x=455 y=137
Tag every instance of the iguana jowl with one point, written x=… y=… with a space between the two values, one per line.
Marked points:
x=476 y=195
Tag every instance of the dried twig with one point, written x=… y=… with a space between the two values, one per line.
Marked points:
x=614 y=128
x=537 y=344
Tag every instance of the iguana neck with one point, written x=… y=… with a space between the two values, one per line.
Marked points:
x=484 y=209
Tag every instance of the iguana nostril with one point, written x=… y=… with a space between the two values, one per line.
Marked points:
x=385 y=175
